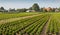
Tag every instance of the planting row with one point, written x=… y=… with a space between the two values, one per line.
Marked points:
x=28 y=26
x=53 y=26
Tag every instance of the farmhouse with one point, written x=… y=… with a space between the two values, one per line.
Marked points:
x=30 y=11
x=48 y=9
x=56 y=10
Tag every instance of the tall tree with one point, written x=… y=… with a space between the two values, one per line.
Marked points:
x=35 y=7
x=2 y=8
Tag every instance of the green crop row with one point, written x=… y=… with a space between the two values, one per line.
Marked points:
x=29 y=26
x=14 y=27
x=53 y=26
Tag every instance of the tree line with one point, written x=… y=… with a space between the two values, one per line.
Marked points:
x=35 y=7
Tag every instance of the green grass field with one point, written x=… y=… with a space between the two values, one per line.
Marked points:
x=15 y=15
x=42 y=24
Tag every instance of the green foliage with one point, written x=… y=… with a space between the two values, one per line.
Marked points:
x=2 y=8
x=32 y=26
x=35 y=7
x=53 y=25
x=23 y=26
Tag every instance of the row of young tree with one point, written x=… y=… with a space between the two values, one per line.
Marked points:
x=35 y=7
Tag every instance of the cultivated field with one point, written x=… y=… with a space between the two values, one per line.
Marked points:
x=30 y=24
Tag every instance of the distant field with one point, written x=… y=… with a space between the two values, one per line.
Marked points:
x=15 y=15
x=44 y=24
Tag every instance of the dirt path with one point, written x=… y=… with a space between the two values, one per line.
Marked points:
x=45 y=28
x=15 y=19
x=59 y=30
x=58 y=27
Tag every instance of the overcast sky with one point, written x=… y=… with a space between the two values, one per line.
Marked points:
x=28 y=3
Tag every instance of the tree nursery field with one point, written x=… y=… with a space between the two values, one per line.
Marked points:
x=32 y=24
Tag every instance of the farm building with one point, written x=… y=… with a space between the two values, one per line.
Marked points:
x=48 y=9
x=30 y=11
x=56 y=10
x=3 y=10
